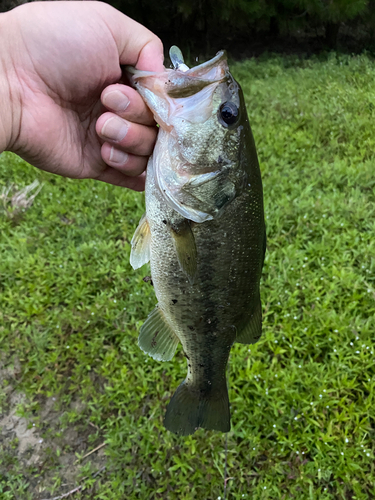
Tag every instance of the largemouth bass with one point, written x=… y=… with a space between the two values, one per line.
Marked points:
x=203 y=233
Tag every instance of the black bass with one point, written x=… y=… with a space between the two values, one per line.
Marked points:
x=203 y=233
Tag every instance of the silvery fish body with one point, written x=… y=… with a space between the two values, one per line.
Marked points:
x=203 y=233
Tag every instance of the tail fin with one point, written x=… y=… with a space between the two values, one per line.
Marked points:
x=188 y=410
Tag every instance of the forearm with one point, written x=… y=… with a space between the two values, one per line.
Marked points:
x=10 y=105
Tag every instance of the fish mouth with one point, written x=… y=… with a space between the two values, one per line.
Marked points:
x=183 y=81
x=196 y=70
x=208 y=65
x=186 y=83
x=182 y=90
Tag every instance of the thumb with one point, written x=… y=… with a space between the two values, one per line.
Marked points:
x=137 y=46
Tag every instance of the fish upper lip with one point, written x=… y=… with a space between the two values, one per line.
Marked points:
x=136 y=73
x=208 y=64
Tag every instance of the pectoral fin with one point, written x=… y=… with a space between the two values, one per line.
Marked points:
x=140 y=253
x=252 y=331
x=185 y=247
x=156 y=337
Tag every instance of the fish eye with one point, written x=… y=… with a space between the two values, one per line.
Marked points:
x=229 y=113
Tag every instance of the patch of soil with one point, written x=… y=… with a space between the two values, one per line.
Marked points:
x=39 y=446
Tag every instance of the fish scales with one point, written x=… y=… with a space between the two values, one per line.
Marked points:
x=205 y=271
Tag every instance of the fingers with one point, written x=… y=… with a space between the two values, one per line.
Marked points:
x=129 y=136
x=151 y=57
x=127 y=145
x=136 y=45
x=113 y=176
x=128 y=164
x=128 y=132
x=142 y=49
x=127 y=103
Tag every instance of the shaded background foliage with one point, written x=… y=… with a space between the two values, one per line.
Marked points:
x=199 y=24
x=241 y=25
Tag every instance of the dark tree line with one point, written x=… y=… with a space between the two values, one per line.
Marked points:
x=197 y=24
x=205 y=21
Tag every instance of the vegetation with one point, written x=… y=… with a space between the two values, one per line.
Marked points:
x=302 y=399
x=252 y=26
x=210 y=20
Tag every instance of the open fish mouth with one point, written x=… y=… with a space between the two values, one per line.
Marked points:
x=182 y=90
x=182 y=81
x=208 y=72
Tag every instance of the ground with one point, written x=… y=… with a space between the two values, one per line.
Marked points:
x=46 y=453
x=73 y=377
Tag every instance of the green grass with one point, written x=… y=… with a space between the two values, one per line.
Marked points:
x=302 y=399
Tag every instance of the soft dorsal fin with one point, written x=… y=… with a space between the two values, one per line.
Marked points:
x=252 y=331
x=185 y=247
x=156 y=337
x=140 y=253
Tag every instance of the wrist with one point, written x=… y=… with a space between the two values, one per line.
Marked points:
x=10 y=107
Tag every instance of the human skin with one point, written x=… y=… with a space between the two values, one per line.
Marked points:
x=62 y=107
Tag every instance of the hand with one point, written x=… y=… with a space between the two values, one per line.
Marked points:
x=63 y=67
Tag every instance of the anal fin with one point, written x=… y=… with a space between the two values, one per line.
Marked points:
x=141 y=241
x=156 y=337
x=252 y=331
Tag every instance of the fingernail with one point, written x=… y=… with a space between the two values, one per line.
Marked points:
x=116 y=100
x=114 y=129
x=117 y=156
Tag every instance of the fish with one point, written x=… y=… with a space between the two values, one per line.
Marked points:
x=203 y=233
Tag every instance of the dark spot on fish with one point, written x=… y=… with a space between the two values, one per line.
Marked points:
x=189 y=88
x=200 y=364
x=174 y=301
x=148 y=279
x=164 y=221
x=191 y=327
x=189 y=365
x=153 y=341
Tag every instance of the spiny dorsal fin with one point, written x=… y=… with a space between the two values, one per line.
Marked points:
x=253 y=330
x=185 y=247
x=140 y=253
x=156 y=337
